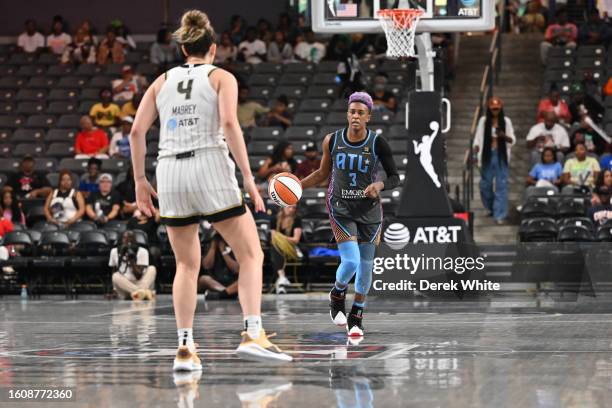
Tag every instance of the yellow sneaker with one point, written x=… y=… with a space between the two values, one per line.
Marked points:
x=260 y=348
x=149 y=294
x=139 y=294
x=187 y=360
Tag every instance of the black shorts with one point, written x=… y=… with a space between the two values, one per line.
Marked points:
x=196 y=219
x=345 y=229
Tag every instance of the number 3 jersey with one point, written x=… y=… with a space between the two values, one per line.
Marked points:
x=188 y=111
x=354 y=167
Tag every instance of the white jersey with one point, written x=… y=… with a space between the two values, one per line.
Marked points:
x=188 y=111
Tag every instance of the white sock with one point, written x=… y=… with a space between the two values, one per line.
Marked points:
x=252 y=325
x=185 y=338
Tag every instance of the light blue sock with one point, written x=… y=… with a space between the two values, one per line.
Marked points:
x=359 y=304
x=349 y=262
x=364 y=273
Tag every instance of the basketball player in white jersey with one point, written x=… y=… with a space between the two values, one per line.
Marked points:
x=197 y=105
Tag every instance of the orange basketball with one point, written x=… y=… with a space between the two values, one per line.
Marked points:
x=285 y=189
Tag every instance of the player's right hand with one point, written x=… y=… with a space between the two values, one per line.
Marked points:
x=251 y=188
x=144 y=191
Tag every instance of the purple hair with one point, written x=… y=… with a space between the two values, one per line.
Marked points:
x=361 y=97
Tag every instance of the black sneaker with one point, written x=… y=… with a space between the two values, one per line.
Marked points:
x=336 y=307
x=354 y=324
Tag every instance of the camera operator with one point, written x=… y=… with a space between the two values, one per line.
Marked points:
x=220 y=277
x=133 y=277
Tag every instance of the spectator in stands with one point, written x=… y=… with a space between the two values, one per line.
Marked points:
x=533 y=21
x=310 y=163
x=593 y=142
x=248 y=110
x=604 y=178
x=383 y=99
x=492 y=143
x=548 y=172
x=26 y=183
x=58 y=40
x=105 y=113
x=285 y=26
x=602 y=212
x=11 y=208
x=594 y=31
x=606 y=159
x=65 y=205
x=581 y=170
x=308 y=49
x=127 y=190
x=164 y=51
x=89 y=181
x=130 y=83
x=133 y=277
x=252 y=49
x=90 y=141
x=286 y=235
x=547 y=134
x=123 y=36
x=348 y=70
x=279 y=115
x=140 y=221
x=6 y=225
x=31 y=40
x=120 y=142
x=563 y=33
x=264 y=31
x=236 y=29
x=104 y=205
x=130 y=108
x=110 y=50
x=553 y=102
x=227 y=52
x=220 y=276
x=583 y=104
x=279 y=161
x=82 y=49
x=89 y=30
x=279 y=50
x=360 y=44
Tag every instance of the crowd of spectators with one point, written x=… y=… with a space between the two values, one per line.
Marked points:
x=102 y=196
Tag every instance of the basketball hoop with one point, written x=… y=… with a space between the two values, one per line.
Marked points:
x=400 y=27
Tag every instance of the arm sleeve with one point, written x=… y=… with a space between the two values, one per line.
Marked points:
x=383 y=151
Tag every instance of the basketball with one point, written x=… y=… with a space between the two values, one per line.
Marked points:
x=285 y=189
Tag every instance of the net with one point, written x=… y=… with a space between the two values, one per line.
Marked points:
x=400 y=27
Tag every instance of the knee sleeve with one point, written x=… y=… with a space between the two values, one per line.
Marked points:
x=349 y=261
x=363 y=282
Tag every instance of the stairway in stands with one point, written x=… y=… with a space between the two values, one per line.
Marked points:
x=519 y=87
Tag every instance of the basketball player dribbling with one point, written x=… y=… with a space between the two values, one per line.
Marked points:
x=351 y=156
x=197 y=105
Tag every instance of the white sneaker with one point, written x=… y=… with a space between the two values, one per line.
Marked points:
x=186 y=360
x=280 y=284
x=260 y=349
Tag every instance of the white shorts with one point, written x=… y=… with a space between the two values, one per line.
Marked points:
x=198 y=185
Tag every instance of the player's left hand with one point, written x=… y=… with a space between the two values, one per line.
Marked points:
x=251 y=188
x=374 y=189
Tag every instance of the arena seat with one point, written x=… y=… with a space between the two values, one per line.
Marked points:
x=266 y=133
x=538 y=208
x=83 y=225
x=300 y=132
x=575 y=233
x=538 y=230
x=92 y=243
x=31 y=108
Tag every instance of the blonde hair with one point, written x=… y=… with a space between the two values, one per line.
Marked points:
x=196 y=32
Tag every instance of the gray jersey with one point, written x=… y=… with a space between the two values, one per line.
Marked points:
x=354 y=167
x=188 y=111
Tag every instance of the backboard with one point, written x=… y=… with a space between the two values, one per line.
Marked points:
x=346 y=16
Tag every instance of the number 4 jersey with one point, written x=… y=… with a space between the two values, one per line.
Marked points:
x=354 y=167
x=188 y=111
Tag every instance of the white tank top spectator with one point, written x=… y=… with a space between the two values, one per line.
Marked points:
x=65 y=205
